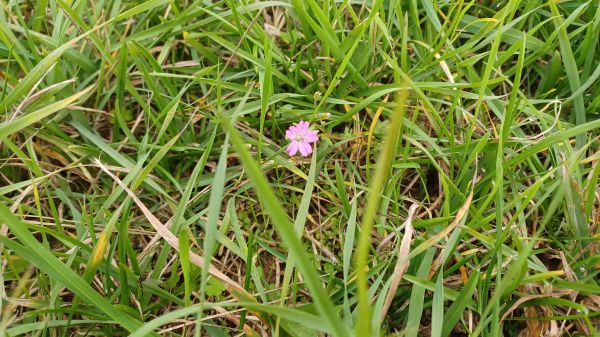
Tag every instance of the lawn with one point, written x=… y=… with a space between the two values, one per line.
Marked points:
x=299 y=168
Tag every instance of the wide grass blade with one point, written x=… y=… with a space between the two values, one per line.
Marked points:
x=285 y=229
x=10 y=127
x=43 y=259
x=363 y=322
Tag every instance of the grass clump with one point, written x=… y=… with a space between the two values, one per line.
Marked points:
x=145 y=187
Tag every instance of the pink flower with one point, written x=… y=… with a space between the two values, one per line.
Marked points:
x=301 y=138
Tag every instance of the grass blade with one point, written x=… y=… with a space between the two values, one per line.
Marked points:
x=363 y=324
x=285 y=228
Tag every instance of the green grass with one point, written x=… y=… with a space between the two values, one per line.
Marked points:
x=145 y=188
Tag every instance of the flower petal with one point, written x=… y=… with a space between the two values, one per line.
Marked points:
x=290 y=134
x=303 y=126
x=292 y=148
x=311 y=137
x=305 y=149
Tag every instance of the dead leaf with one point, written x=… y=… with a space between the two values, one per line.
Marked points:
x=171 y=239
x=534 y=328
x=403 y=260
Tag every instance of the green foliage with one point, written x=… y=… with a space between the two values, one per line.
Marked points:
x=145 y=188
x=214 y=288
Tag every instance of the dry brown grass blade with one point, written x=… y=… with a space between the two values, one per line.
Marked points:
x=403 y=260
x=171 y=239
x=532 y=297
x=228 y=314
x=440 y=258
x=434 y=239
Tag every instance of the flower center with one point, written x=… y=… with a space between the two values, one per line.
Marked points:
x=299 y=138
